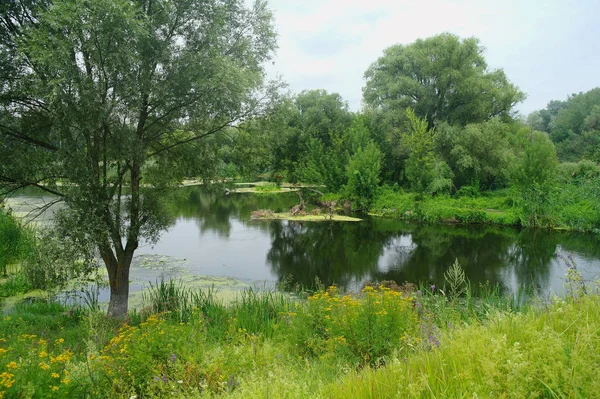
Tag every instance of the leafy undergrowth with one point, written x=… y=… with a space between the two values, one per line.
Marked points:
x=565 y=206
x=384 y=342
x=543 y=353
x=490 y=208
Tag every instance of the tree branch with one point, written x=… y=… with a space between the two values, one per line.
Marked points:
x=20 y=136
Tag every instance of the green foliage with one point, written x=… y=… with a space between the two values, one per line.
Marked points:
x=316 y=149
x=366 y=329
x=534 y=173
x=105 y=97
x=328 y=344
x=537 y=163
x=525 y=355
x=573 y=125
x=419 y=142
x=310 y=168
x=55 y=260
x=267 y=188
x=478 y=152
x=363 y=172
x=15 y=284
x=489 y=208
x=15 y=241
x=443 y=78
x=40 y=341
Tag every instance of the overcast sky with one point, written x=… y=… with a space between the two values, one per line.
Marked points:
x=548 y=48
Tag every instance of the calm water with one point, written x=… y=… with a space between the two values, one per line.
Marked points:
x=213 y=236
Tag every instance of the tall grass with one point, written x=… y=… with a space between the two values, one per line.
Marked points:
x=253 y=311
x=15 y=241
x=552 y=352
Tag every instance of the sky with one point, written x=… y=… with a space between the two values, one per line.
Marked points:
x=550 y=49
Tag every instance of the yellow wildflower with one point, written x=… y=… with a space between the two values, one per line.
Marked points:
x=59 y=341
x=12 y=365
x=6 y=379
x=42 y=341
x=54 y=387
x=43 y=354
x=44 y=366
x=55 y=375
x=62 y=358
x=2 y=351
x=65 y=381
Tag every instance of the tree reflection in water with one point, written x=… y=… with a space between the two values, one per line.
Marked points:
x=377 y=249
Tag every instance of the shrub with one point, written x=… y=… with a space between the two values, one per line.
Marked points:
x=15 y=241
x=365 y=329
x=363 y=176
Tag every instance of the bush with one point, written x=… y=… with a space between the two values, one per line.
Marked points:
x=15 y=241
x=363 y=176
x=365 y=329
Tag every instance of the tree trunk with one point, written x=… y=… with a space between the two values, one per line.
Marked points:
x=119 y=293
x=118 y=277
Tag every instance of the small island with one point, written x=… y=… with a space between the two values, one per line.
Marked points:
x=317 y=217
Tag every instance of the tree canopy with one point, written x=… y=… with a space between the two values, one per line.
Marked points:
x=573 y=125
x=443 y=78
x=100 y=99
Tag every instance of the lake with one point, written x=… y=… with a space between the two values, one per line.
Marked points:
x=213 y=235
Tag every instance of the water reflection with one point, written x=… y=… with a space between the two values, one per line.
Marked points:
x=340 y=253
x=215 y=235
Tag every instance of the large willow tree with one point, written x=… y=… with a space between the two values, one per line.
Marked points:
x=443 y=78
x=103 y=104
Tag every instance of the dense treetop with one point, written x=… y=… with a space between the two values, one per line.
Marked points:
x=573 y=124
x=443 y=78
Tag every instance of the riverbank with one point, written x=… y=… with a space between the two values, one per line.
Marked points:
x=383 y=342
x=564 y=207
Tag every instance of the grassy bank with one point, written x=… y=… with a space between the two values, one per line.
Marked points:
x=386 y=341
x=565 y=206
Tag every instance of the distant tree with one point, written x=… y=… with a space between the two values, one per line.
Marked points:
x=421 y=162
x=534 y=171
x=443 y=78
x=363 y=173
x=322 y=113
x=313 y=150
x=101 y=99
x=573 y=125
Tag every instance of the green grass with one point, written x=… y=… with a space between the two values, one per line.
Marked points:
x=571 y=206
x=552 y=352
x=488 y=208
x=267 y=188
x=378 y=343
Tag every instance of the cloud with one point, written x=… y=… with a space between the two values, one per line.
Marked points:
x=329 y=44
